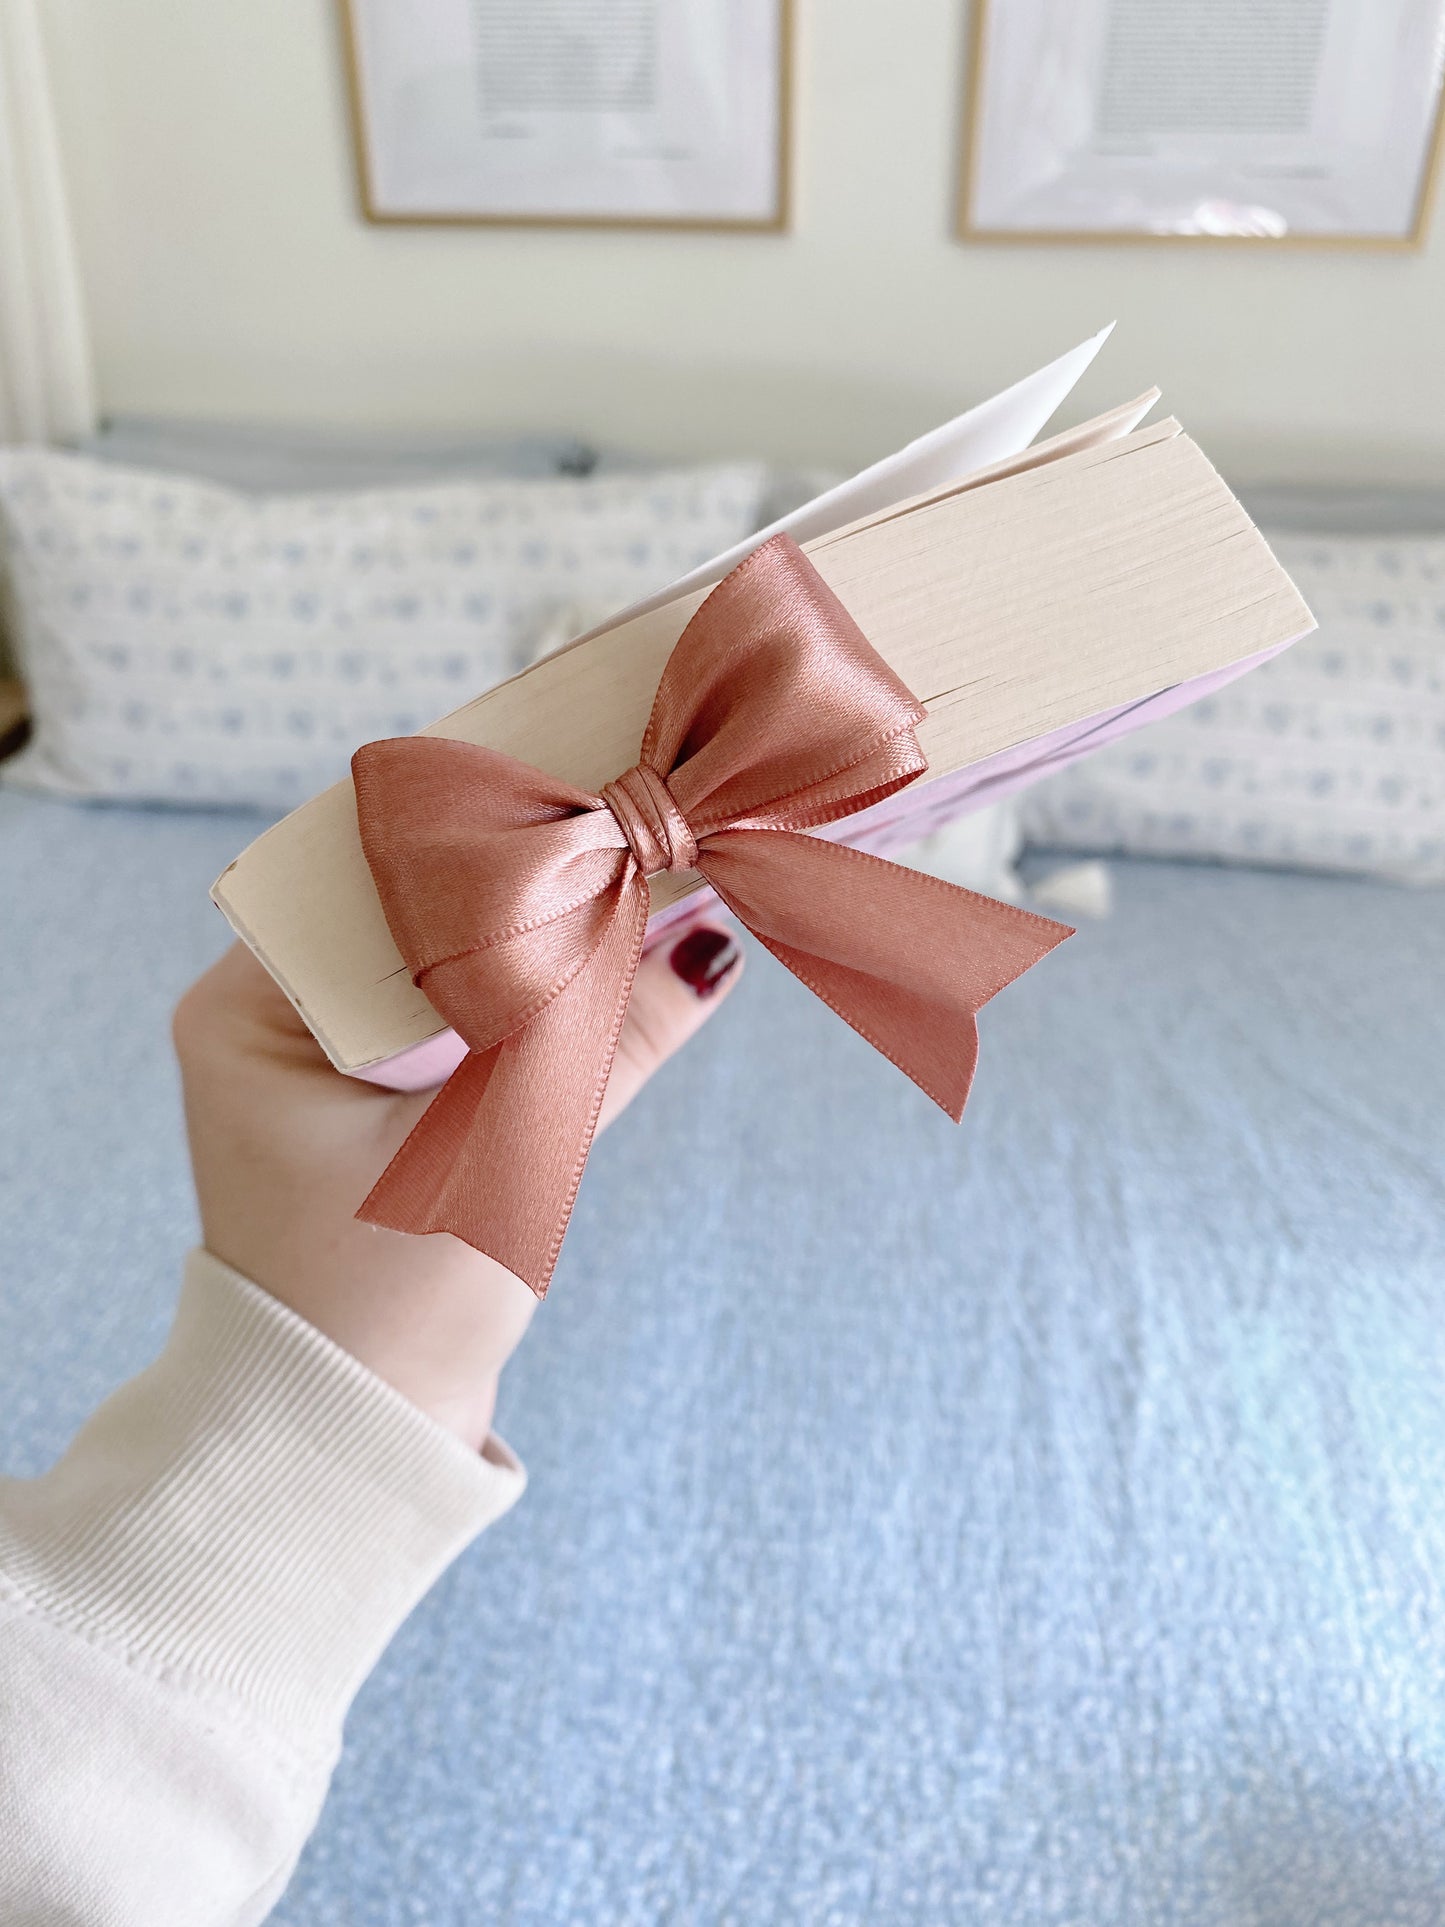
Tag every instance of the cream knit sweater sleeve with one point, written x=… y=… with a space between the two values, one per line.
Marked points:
x=189 y=1601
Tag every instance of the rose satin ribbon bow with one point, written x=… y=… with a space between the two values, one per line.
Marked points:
x=519 y=903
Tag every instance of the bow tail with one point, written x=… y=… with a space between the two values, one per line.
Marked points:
x=496 y=1157
x=903 y=957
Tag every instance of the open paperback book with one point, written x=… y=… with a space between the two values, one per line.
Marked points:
x=1038 y=600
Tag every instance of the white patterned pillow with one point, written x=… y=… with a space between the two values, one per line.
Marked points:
x=1330 y=757
x=187 y=644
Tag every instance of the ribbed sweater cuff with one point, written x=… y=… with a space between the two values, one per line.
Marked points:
x=256 y=1511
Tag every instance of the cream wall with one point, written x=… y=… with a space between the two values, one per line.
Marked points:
x=228 y=273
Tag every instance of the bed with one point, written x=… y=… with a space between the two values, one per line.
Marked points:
x=1034 y=1522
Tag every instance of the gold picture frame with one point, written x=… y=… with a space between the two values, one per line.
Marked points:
x=968 y=227
x=776 y=220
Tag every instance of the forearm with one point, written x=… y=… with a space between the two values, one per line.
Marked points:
x=190 y=1599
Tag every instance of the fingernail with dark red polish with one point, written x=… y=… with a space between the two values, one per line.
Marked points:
x=703 y=958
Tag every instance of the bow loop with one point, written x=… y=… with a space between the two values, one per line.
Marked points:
x=773 y=705
x=519 y=902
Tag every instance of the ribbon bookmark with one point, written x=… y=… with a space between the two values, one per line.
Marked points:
x=519 y=903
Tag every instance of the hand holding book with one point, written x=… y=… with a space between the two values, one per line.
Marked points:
x=1035 y=608
x=282 y=1148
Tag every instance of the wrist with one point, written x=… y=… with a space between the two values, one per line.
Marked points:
x=437 y=1329
x=469 y=1415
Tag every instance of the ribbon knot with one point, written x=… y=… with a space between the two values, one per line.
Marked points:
x=520 y=902
x=655 y=828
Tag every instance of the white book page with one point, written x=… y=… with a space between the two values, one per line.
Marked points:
x=1002 y=426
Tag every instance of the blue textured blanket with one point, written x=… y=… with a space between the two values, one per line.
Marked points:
x=1039 y=1521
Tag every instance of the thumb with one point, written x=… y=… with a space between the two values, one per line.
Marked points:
x=677 y=988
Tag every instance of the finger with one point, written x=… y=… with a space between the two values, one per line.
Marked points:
x=237 y=1004
x=678 y=987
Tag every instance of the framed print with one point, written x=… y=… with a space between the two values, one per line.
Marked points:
x=625 y=113
x=1303 y=121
